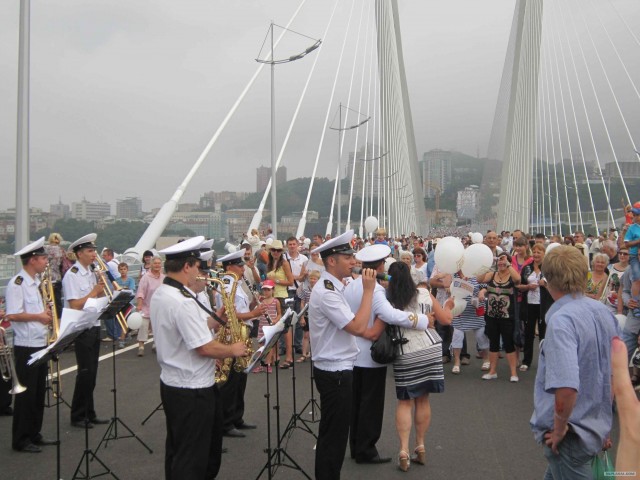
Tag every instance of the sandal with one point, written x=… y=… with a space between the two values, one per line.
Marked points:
x=285 y=365
x=302 y=359
x=403 y=461
x=421 y=456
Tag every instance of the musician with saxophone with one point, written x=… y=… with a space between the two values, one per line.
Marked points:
x=185 y=350
x=79 y=284
x=30 y=318
x=232 y=392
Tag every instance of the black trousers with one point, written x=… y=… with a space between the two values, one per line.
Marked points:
x=367 y=411
x=87 y=348
x=335 y=389
x=531 y=317
x=193 y=448
x=232 y=399
x=29 y=405
x=446 y=333
x=496 y=328
x=5 y=397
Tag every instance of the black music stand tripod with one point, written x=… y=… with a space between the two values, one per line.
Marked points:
x=117 y=306
x=277 y=456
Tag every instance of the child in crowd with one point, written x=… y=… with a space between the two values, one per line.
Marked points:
x=270 y=318
x=313 y=276
x=631 y=241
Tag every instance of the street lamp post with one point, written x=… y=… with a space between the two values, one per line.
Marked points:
x=272 y=61
x=340 y=129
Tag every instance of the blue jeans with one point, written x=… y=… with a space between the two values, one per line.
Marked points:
x=114 y=330
x=572 y=461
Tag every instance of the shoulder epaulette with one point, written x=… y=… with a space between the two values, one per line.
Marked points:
x=328 y=284
x=74 y=270
x=185 y=293
x=226 y=280
x=19 y=280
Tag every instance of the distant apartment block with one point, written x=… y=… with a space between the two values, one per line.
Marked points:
x=436 y=171
x=208 y=224
x=130 y=208
x=239 y=219
x=90 y=211
x=263 y=175
x=222 y=200
x=468 y=203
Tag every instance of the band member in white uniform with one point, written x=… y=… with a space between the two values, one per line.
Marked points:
x=333 y=328
x=78 y=285
x=30 y=318
x=185 y=351
x=369 y=377
x=232 y=392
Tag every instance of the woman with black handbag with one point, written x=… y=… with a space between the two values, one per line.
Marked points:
x=418 y=371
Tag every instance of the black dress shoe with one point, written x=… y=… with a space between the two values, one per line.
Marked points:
x=233 y=433
x=245 y=426
x=30 y=448
x=99 y=421
x=224 y=450
x=374 y=460
x=42 y=441
x=81 y=424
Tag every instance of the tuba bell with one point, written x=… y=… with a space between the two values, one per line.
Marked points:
x=8 y=365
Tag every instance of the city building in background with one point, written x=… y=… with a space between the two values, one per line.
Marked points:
x=90 y=211
x=130 y=207
x=436 y=171
x=263 y=175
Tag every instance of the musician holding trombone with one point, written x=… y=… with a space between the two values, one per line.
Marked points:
x=79 y=284
x=30 y=318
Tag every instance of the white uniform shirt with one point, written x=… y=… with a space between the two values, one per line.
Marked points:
x=113 y=268
x=333 y=348
x=23 y=296
x=241 y=300
x=179 y=329
x=380 y=307
x=77 y=283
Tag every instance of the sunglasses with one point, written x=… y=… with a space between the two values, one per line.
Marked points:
x=623 y=253
x=276 y=250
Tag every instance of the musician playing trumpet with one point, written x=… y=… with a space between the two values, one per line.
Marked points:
x=30 y=318
x=79 y=285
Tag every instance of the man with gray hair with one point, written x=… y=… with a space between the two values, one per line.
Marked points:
x=611 y=249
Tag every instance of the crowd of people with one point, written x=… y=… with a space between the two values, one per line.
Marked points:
x=573 y=292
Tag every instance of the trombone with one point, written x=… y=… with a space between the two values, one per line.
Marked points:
x=101 y=270
x=8 y=365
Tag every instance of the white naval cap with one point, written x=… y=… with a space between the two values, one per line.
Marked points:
x=184 y=249
x=88 y=241
x=32 y=250
x=373 y=253
x=205 y=258
x=340 y=244
x=233 y=258
x=206 y=245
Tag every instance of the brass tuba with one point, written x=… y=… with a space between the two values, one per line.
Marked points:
x=101 y=271
x=234 y=331
x=48 y=296
x=8 y=365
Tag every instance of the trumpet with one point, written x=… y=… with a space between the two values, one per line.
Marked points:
x=101 y=271
x=8 y=365
x=48 y=296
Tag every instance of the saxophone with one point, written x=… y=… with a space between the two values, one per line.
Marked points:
x=234 y=331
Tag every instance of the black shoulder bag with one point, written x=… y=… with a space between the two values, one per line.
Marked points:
x=389 y=346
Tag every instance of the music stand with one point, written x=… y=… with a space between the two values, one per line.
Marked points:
x=117 y=305
x=275 y=457
x=52 y=355
x=293 y=421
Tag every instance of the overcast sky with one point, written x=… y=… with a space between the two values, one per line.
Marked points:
x=126 y=95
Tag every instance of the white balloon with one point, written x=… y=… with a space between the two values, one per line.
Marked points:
x=551 y=247
x=269 y=241
x=476 y=237
x=134 y=320
x=449 y=254
x=307 y=241
x=622 y=319
x=230 y=248
x=370 y=224
x=459 y=306
x=477 y=260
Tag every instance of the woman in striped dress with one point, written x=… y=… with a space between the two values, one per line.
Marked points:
x=418 y=370
x=472 y=318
